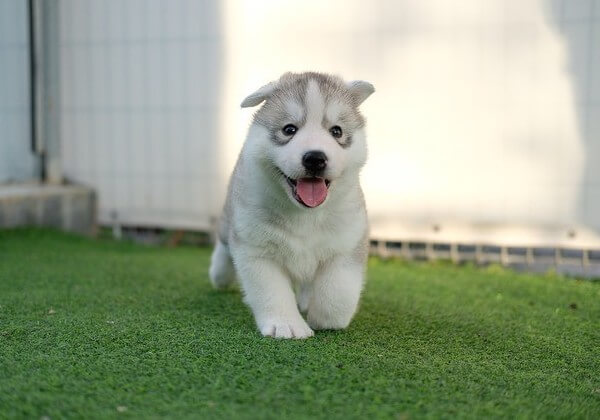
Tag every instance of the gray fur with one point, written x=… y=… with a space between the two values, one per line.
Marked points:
x=291 y=87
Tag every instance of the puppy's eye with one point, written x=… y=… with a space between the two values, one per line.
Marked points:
x=289 y=130
x=336 y=131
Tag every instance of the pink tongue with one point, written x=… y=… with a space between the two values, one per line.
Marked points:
x=312 y=191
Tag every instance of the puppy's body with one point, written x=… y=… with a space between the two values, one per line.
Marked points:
x=294 y=228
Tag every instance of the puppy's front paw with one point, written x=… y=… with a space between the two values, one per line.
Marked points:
x=286 y=329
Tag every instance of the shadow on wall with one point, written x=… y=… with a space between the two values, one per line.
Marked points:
x=141 y=89
x=578 y=23
x=17 y=161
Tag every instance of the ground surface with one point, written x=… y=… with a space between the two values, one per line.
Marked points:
x=98 y=329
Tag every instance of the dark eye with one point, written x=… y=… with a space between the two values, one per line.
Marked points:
x=289 y=130
x=336 y=131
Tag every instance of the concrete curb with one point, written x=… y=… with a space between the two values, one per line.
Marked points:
x=67 y=207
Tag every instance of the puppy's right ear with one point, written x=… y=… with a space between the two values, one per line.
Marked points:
x=259 y=96
x=361 y=90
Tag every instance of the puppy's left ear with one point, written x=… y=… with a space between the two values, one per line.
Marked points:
x=361 y=90
x=259 y=96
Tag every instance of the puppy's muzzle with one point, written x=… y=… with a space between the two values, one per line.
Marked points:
x=314 y=161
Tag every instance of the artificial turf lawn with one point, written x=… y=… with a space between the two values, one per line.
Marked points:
x=96 y=329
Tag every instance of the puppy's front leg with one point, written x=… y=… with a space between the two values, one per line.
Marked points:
x=268 y=292
x=336 y=292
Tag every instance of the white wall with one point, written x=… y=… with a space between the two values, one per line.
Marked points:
x=17 y=162
x=139 y=102
x=486 y=113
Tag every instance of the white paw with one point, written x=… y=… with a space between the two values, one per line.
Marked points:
x=286 y=329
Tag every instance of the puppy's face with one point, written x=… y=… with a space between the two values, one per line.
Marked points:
x=310 y=133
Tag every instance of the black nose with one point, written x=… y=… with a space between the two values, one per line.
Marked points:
x=314 y=161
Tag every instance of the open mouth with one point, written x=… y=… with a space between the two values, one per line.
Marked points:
x=310 y=192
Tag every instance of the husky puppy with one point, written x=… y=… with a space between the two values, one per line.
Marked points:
x=294 y=227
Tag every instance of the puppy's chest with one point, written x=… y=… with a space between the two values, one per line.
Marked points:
x=301 y=249
x=301 y=257
x=298 y=244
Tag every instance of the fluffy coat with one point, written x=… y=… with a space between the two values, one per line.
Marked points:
x=292 y=253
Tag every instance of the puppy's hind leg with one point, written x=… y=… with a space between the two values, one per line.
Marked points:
x=222 y=271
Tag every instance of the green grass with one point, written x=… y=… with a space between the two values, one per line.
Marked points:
x=100 y=329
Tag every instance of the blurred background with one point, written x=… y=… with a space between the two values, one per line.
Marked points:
x=484 y=132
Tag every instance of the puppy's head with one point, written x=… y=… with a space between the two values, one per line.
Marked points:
x=309 y=132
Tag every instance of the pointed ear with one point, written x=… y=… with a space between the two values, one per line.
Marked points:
x=260 y=95
x=361 y=90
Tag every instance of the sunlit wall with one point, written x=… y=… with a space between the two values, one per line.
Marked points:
x=476 y=119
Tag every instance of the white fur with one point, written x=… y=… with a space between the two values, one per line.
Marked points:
x=222 y=271
x=361 y=89
x=259 y=96
x=289 y=258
